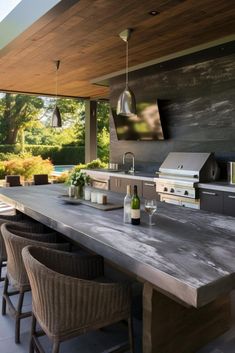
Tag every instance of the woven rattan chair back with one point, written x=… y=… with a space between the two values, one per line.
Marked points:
x=40 y=179
x=76 y=299
x=3 y=254
x=13 y=180
x=18 y=222
x=15 y=240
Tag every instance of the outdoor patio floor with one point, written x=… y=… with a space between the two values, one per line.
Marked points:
x=94 y=342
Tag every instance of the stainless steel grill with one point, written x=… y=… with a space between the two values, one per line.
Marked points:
x=179 y=175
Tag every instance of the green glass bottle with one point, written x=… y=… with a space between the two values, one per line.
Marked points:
x=135 y=207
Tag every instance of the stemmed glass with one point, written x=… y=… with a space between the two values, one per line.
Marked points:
x=150 y=208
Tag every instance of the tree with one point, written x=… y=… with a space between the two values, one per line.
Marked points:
x=26 y=120
x=18 y=111
x=103 y=135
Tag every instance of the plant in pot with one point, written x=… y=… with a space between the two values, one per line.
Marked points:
x=78 y=180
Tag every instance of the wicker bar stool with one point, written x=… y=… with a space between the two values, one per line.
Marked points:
x=26 y=224
x=70 y=296
x=15 y=240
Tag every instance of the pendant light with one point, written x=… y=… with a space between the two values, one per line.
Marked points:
x=56 y=116
x=126 y=102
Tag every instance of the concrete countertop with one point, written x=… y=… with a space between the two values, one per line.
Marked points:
x=218 y=185
x=188 y=254
x=137 y=176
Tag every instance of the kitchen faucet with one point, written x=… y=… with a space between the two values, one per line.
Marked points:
x=132 y=170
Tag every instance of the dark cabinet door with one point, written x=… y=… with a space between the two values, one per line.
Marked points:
x=211 y=200
x=149 y=190
x=229 y=204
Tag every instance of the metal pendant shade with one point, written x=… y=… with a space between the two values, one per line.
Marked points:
x=56 y=118
x=126 y=104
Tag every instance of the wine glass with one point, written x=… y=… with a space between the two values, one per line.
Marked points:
x=150 y=208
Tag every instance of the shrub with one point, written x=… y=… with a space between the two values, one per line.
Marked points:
x=2 y=170
x=95 y=164
x=36 y=165
x=10 y=148
x=26 y=167
x=10 y=156
x=59 y=154
x=62 y=178
x=14 y=167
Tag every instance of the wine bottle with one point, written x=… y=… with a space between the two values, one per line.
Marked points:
x=135 y=207
x=127 y=206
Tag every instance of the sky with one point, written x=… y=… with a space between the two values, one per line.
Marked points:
x=6 y=6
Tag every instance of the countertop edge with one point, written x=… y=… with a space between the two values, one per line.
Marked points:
x=121 y=175
x=219 y=186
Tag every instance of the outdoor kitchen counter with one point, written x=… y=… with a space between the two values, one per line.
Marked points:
x=185 y=261
x=218 y=185
x=121 y=174
x=188 y=253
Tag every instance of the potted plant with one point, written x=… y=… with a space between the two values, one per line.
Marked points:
x=78 y=180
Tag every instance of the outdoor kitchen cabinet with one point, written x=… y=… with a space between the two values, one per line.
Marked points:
x=149 y=190
x=217 y=201
x=118 y=184
x=211 y=200
x=229 y=203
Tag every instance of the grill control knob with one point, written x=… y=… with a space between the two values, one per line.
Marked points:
x=186 y=192
x=172 y=190
x=165 y=189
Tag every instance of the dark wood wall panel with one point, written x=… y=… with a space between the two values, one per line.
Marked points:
x=198 y=108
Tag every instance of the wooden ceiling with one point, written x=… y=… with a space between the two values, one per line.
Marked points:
x=84 y=36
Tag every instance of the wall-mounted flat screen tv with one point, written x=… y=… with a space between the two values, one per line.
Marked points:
x=144 y=126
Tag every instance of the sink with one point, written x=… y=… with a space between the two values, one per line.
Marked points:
x=126 y=172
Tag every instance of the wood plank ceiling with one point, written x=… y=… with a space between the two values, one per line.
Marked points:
x=84 y=36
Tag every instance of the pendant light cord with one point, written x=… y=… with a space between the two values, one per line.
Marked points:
x=56 y=85
x=56 y=79
x=127 y=63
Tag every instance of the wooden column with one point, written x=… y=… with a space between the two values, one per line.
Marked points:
x=90 y=131
x=169 y=327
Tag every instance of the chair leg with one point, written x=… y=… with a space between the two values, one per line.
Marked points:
x=131 y=334
x=56 y=347
x=4 y=304
x=18 y=318
x=1 y=279
x=33 y=330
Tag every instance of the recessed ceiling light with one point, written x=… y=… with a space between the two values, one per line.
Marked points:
x=154 y=13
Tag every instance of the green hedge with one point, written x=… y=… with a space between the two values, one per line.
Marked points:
x=57 y=154
x=10 y=148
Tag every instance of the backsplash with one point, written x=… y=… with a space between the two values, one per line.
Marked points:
x=197 y=104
